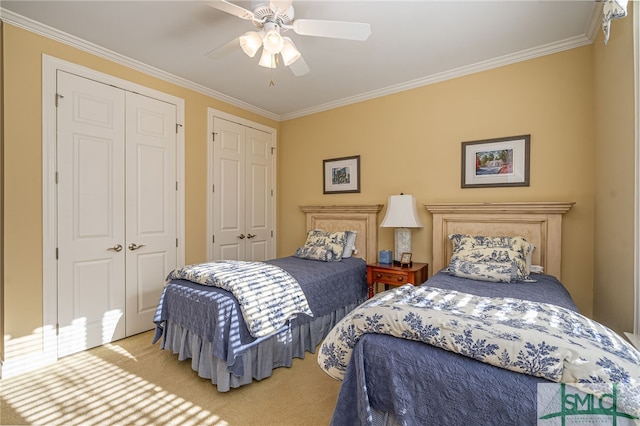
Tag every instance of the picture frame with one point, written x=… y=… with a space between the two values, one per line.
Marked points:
x=405 y=259
x=493 y=163
x=341 y=175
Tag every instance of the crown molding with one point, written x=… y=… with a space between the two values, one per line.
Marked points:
x=20 y=21
x=588 y=37
x=548 y=49
x=523 y=55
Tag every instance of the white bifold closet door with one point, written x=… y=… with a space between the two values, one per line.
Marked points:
x=116 y=221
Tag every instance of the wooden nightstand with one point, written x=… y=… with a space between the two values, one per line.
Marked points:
x=396 y=275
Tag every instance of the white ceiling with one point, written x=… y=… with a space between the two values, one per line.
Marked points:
x=413 y=43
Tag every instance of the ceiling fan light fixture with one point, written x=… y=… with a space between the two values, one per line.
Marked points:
x=289 y=52
x=250 y=43
x=267 y=60
x=273 y=41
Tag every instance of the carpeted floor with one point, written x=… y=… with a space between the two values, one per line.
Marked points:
x=131 y=382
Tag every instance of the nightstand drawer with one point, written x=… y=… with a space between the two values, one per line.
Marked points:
x=389 y=277
x=416 y=274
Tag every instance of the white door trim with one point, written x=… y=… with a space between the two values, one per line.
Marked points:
x=50 y=66
x=211 y=113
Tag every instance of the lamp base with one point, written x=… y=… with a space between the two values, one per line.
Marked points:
x=402 y=243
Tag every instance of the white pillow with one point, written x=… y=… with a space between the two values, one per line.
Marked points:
x=350 y=245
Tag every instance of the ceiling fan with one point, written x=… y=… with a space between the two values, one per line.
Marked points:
x=277 y=17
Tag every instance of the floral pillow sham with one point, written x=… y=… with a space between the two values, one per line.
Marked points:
x=496 y=259
x=323 y=245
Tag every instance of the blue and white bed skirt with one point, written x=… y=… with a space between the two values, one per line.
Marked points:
x=260 y=360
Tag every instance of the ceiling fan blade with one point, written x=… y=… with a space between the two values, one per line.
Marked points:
x=227 y=48
x=333 y=29
x=299 y=67
x=233 y=9
x=280 y=5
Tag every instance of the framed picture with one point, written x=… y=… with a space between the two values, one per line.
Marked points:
x=405 y=259
x=341 y=175
x=496 y=162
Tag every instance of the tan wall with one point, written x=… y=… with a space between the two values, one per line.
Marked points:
x=22 y=111
x=614 y=177
x=411 y=142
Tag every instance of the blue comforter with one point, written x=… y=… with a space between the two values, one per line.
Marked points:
x=444 y=387
x=214 y=314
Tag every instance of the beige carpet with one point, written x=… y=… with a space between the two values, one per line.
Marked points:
x=131 y=382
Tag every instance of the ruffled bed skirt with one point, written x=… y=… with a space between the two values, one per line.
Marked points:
x=259 y=361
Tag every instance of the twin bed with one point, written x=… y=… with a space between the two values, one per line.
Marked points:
x=205 y=323
x=400 y=379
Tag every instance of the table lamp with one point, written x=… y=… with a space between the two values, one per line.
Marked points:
x=401 y=214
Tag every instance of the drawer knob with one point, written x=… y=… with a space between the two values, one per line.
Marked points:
x=378 y=275
x=400 y=279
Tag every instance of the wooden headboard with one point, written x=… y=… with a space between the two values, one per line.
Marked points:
x=360 y=218
x=538 y=222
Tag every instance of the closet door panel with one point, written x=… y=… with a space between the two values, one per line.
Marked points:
x=90 y=191
x=150 y=206
x=258 y=194
x=229 y=194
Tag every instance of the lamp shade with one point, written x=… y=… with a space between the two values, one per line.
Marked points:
x=401 y=213
x=273 y=41
x=289 y=52
x=267 y=60
x=250 y=42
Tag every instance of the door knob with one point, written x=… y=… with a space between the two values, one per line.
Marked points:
x=251 y=235
x=242 y=236
x=117 y=247
x=134 y=246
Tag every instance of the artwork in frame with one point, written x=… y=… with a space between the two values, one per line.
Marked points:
x=341 y=175
x=492 y=163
